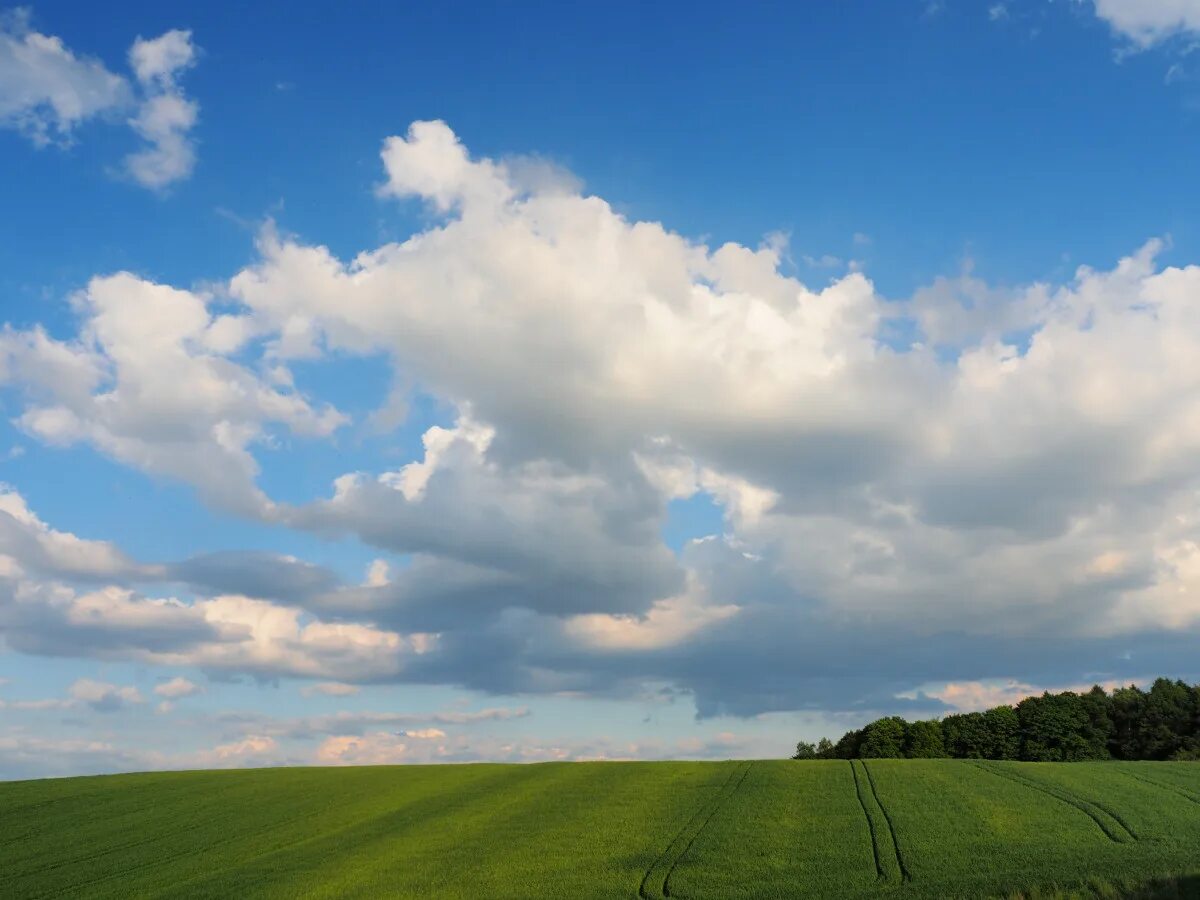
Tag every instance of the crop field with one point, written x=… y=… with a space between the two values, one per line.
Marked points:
x=738 y=829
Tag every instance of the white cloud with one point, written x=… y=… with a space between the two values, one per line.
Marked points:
x=31 y=543
x=165 y=116
x=344 y=723
x=227 y=633
x=102 y=696
x=1147 y=22
x=669 y=621
x=236 y=752
x=159 y=61
x=149 y=382
x=330 y=689
x=434 y=745
x=177 y=688
x=1031 y=477
x=45 y=89
x=260 y=637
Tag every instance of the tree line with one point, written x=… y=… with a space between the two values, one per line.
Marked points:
x=1129 y=723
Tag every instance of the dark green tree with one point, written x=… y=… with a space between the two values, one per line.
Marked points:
x=883 y=739
x=848 y=745
x=1125 y=710
x=923 y=740
x=1003 y=729
x=1129 y=723
x=1056 y=728
x=965 y=736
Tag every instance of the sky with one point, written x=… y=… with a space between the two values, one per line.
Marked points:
x=525 y=381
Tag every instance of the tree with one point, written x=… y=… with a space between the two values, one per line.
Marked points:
x=1125 y=711
x=805 y=750
x=883 y=739
x=966 y=736
x=923 y=740
x=1129 y=723
x=1056 y=728
x=1099 y=730
x=1003 y=729
x=1167 y=719
x=848 y=745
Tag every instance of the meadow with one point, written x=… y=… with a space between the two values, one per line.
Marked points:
x=736 y=829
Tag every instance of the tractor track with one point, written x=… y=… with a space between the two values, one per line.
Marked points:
x=880 y=874
x=1174 y=789
x=1121 y=834
x=905 y=875
x=687 y=835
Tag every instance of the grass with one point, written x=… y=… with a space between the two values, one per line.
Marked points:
x=919 y=828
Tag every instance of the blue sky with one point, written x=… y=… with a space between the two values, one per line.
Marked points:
x=510 y=382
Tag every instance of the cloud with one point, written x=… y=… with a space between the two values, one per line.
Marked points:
x=564 y=545
x=237 y=752
x=102 y=696
x=330 y=689
x=345 y=723
x=149 y=382
x=46 y=91
x=222 y=634
x=30 y=756
x=1148 y=22
x=44 y=550
x=1009 y=491
x=177 y=688
x=99 y=696
x=434 y=745
x=165 y=116
x=254 y=574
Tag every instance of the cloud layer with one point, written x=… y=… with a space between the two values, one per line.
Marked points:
x=1009 y=490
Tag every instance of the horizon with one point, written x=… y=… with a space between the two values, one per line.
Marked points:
x=623 y=384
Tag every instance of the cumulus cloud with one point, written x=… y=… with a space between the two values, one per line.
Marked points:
x=42 y=612
x=99 y=696
x=44 y=550
x=1147 y=22
x=1012 y=491
x=165 y=115
x=149 y=382
x=102 y=696
x=177 y=688
x=46 y=91
x=224 y=634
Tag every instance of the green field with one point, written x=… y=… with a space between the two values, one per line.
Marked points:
x=919 y=828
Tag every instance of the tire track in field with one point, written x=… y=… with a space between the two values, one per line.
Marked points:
x=1173 y=788
x=905 y=875
x=650 y=886
x=666 y=889
x=880 y=875
x=1111 y=825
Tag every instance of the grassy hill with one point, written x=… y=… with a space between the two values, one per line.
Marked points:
x=919 y=828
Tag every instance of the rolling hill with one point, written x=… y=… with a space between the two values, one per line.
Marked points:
x=737 y=829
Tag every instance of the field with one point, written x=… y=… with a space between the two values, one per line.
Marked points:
x=914 y=828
